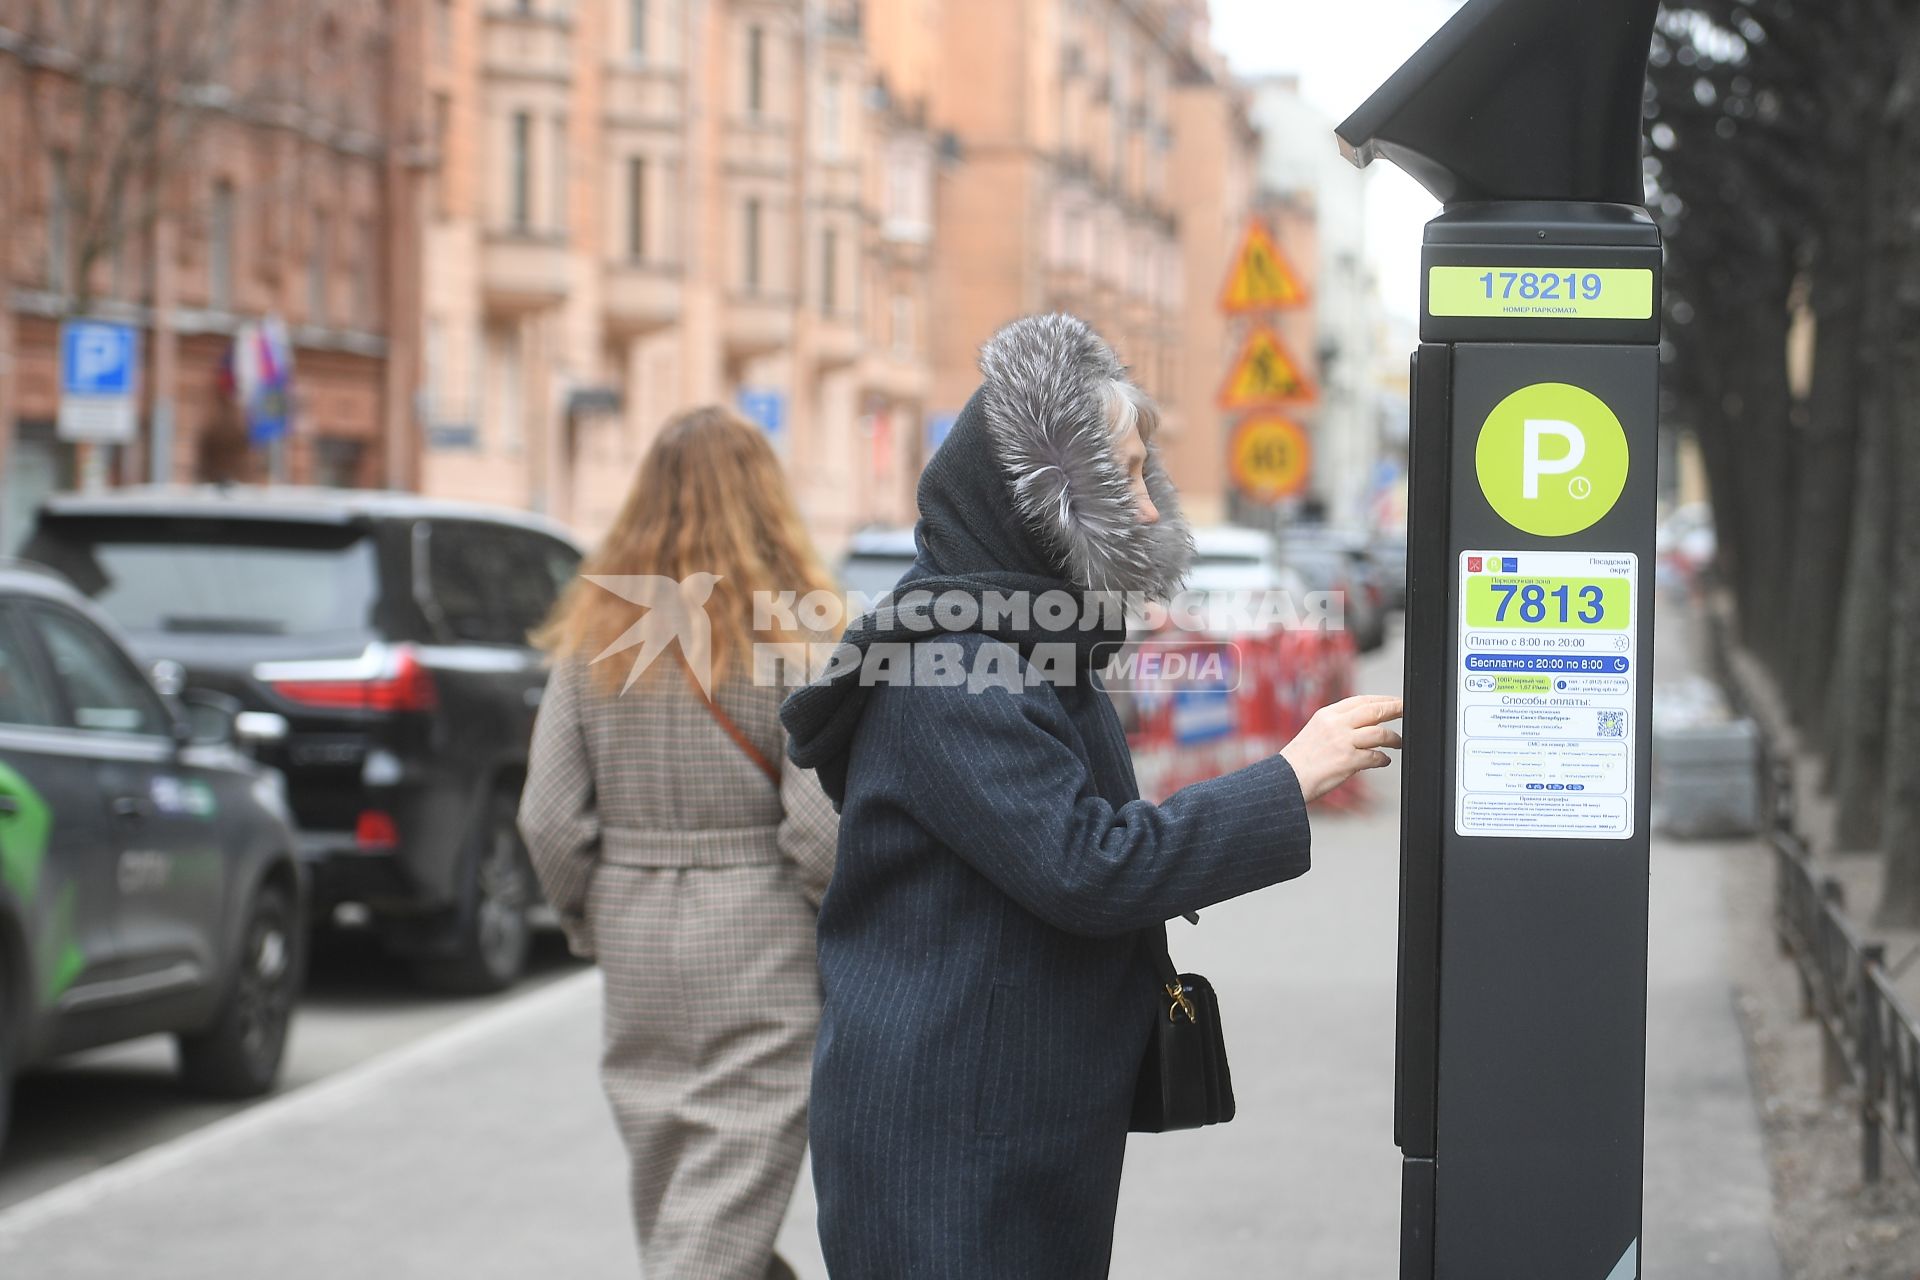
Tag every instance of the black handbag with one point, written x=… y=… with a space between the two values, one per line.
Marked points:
x=1184 y=1082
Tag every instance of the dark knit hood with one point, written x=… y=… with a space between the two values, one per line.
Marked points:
x=1025 y=495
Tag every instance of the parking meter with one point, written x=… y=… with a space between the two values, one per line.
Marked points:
x=1521 y=1054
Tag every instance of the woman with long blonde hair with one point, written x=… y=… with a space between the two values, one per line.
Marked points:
x=682 y=849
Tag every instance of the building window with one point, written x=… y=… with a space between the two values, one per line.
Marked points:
x=560 y=174
x=365 y=273
x=829 y=271
x=521 y=195
x=637 y=28
x=637 y=209
x=751 y=243
x=443 y=30
x=830 y=116
x=59 y=229
x=503 y=403
x=220 y=248
x=902 y=325
x=442 y=142
x=121 y=263
x=756 y=70
x=317 y=268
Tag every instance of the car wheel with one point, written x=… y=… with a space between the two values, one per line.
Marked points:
x=239 y=1055
x=494 y=929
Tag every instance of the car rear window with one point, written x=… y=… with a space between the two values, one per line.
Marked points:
x=217 y=577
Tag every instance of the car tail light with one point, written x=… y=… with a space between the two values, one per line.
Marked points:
x=384 y=678
x=375 y=831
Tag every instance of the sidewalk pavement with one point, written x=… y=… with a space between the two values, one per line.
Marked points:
x=487 y=1150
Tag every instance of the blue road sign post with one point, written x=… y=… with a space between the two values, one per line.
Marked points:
x=938 y=426
x=99 y=381
x=767 y=409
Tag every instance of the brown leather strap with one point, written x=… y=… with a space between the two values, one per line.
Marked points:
x=725 y=721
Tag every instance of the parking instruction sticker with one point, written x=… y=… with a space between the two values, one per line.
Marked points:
x=1547 y=675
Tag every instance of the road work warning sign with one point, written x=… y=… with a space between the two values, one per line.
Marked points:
x=1260 y=278
x=1265 y=376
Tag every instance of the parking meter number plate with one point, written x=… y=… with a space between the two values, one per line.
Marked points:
x=1547 y=677
x=1543 y=292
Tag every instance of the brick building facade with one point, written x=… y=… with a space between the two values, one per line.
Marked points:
x=510 y=238
x=187 y=166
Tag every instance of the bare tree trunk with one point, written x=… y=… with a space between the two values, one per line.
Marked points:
x=1857 y=695
x=1826 y=475
x=1857 y=727
x=1764 y=466
x=1900 y=889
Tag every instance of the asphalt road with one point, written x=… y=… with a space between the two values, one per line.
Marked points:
x=93 y=1109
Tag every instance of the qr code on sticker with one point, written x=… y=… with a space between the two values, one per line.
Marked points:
x=1613 y=724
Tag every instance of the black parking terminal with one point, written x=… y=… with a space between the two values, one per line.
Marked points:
x=1520 y=1073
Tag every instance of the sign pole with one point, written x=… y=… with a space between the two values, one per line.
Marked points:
x=1521 y=1061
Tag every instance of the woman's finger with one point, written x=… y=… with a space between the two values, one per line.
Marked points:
x=1370 y=709
x=1376 y=736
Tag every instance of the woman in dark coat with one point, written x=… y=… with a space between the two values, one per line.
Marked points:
x=989 y=943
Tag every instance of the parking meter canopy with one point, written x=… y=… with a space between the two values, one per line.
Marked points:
x=1518 y=100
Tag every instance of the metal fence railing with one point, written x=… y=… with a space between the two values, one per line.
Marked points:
x=1868 y=1036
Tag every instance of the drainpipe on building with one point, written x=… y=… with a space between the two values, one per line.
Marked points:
x=166 y=351
x=408 y=142
x=805 y=431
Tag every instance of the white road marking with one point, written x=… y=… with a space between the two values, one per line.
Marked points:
x=335 y=1094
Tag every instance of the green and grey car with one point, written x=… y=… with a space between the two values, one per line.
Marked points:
x=148 y=881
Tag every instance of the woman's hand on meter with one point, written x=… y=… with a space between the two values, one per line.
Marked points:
x=1340 y=741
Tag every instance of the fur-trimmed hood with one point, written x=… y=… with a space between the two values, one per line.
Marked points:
x=1024 y=496
x=1047 y=418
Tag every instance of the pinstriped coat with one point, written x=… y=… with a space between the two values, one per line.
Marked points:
x=988 y=943
x=693 y=880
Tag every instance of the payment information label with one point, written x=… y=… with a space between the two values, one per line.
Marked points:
x=1547 y=675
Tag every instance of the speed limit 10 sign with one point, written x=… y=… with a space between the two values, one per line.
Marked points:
x=1270 y=458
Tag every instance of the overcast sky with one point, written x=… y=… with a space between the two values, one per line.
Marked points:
x=1342 y=52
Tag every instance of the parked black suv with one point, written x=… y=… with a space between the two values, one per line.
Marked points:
x=391 y=632
x=147 y=873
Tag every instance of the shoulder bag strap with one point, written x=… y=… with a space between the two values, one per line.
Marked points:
x=725 y=721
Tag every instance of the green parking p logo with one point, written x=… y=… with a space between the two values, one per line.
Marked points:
x=1552 y=459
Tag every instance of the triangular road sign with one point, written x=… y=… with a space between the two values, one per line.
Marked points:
x=1264 y=375
x=1260 y=278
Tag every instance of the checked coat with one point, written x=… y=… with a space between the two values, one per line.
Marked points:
x=693 y=880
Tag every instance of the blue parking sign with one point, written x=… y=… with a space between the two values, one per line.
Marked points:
x=766 y=409
x=99 y=379
x=98 y=359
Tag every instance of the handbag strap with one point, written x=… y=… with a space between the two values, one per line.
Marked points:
x=725 y=721
x=1170 y=979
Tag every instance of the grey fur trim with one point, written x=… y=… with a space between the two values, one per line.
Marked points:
x=1045 y=412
